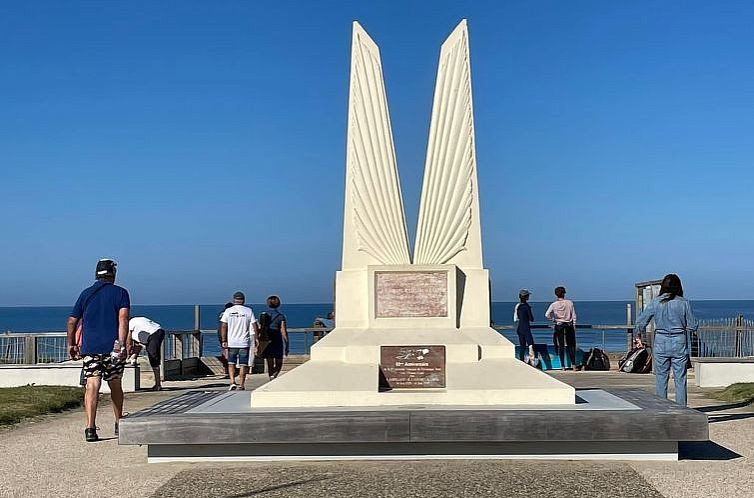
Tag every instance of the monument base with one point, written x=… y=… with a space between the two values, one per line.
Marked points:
x=582 y=450
x=344 y=371
x=603 y=424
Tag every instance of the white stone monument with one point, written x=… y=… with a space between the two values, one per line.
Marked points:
x=412 y=332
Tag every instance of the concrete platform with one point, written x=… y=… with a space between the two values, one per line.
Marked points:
x=67 y=373
x=485 y=382
x=722 y=372
x=480 y=369
x=361 y=345
x=626 y=424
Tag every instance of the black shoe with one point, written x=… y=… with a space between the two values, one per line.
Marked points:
x=116 y=427
x=90 y=435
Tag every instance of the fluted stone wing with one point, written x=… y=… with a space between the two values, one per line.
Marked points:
x=449 y=202
x=375 y=223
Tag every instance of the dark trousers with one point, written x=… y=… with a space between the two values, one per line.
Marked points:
x=564 y=338
x=525 y=340
x=154 y=344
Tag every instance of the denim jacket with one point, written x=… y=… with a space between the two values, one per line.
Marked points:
x=671 y=317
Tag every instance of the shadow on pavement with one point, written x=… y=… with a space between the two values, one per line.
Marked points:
x=729 y=406
x=704 y=450
x=277 y=487
x=728 y=417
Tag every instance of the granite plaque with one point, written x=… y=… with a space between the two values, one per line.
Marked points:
x=411 y=294
x=412 y=366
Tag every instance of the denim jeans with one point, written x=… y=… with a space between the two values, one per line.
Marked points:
x=670 y=351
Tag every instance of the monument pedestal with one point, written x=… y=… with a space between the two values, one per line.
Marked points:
x=344 y=371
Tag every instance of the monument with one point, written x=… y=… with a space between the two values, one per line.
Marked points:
x=388 y=303
x=413 y=368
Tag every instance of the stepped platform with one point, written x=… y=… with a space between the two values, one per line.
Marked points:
x=479 y=383
x=625 y=424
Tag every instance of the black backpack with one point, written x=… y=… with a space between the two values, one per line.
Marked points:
x=597 y=360
x=264 y=326
x=637 y=360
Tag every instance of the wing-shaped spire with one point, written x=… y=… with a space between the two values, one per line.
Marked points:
x=448 y=229
x=375 y=223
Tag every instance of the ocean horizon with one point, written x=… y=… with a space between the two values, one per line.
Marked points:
x=20 y=319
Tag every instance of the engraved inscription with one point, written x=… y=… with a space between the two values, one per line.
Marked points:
x=412 y=367
x=411 y=294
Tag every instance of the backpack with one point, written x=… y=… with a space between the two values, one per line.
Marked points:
x=637 y=361
x=597 y=360
x=264 y=326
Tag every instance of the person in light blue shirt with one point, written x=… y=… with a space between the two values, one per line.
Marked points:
x=674 y=324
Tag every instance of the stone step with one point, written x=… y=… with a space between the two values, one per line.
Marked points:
x=480 y=383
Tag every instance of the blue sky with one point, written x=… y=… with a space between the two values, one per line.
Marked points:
x=202 y=144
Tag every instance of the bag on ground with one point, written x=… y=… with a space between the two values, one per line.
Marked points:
x=637 y=360
x=597 y=360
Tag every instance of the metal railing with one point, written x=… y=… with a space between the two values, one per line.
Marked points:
x=595 y=335
x=37 y=347
x=52 y=347
x=729 y=337
x=726 y=337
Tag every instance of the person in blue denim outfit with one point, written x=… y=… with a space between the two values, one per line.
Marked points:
x=674 y=324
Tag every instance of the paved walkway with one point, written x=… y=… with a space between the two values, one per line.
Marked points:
x=49 y=457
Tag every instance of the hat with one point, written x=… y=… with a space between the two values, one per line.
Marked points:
x=106 y=268
x=523 y=292
x=238 y=296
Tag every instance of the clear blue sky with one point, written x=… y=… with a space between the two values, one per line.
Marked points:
x=201 y=144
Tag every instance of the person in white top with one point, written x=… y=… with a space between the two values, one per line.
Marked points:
x=563 y=314
x=143 y=332
x=238 y=334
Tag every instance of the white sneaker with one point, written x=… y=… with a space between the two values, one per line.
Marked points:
x=232 y=387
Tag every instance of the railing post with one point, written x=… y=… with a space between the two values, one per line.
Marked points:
x=30 y=350
x=629 y=328
x=178 y=348
x=196 y=338
x=739 y=330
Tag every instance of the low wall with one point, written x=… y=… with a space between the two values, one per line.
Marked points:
x=175 y=369
x=722 y=372
x=59 y=374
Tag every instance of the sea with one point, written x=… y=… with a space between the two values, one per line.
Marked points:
x=181 y=317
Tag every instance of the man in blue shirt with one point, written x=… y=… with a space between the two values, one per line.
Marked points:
x=101 y=316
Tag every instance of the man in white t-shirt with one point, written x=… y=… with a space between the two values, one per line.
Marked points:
x=143 y=332
x=238 y=332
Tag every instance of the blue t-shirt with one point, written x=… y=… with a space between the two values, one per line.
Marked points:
x=100 y=329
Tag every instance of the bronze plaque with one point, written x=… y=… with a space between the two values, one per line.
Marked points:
x=412 y=366
x=409 y=294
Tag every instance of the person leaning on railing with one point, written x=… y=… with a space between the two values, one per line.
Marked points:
x=674 y=324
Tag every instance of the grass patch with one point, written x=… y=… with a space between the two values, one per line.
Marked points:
x=18 y=403
x=742 y=391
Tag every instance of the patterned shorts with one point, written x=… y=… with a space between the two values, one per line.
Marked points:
x=103 y=365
